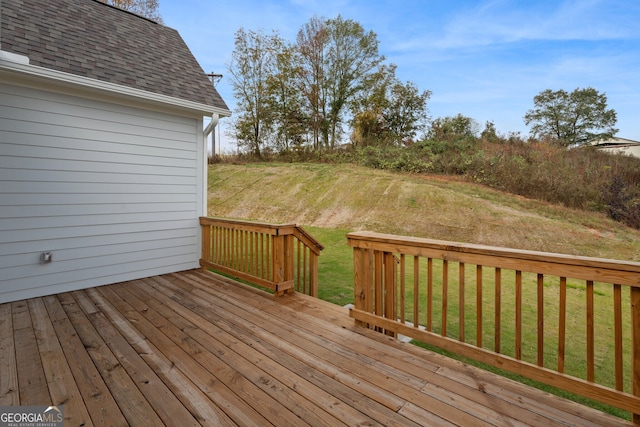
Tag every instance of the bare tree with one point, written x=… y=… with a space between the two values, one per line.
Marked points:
x=253 y=62
x=149 y=9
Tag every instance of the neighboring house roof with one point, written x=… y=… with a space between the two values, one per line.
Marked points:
x=619 y=146
x=616 y=142
x=91 y=39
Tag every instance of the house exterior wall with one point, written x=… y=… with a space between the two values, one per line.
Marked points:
x=113 y=192
x=629 y=149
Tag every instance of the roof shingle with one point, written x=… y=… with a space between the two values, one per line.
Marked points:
x=91 y=39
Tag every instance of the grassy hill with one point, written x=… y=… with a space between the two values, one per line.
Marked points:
x=354 y=198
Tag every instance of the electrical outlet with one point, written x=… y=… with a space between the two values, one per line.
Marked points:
x=46 y=257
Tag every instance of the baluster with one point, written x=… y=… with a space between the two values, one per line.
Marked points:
x=429 y=294
x=416 y=290
x=562 y=323
x=540 y=320
x=377 y=256
x=479 y=306
x=590 y=333
x=390 y=292
x=518 y=315
x=402 y=289
x=498 y=309
x=617 y=313
x=461 y=301
x=445 y=295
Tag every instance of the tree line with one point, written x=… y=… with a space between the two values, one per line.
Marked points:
x=302 y=94
x=332 y=85
x=307 y=93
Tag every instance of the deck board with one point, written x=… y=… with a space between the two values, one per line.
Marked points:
x=60 y=381
x=32 y=383
x=193 y=348
x=8 y=367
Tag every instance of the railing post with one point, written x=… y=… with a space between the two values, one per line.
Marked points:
x=277 y=261
x=635 y=327
x=283 y=263
x=288 y=260
x=313 y=274
x=206 y=243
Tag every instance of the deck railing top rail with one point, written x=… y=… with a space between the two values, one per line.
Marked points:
x=261 y=227
x=581 y=267
x=266 y=228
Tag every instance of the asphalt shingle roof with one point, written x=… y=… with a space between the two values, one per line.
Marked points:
x=91 y=39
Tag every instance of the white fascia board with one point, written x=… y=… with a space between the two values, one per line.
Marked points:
x=46 y=78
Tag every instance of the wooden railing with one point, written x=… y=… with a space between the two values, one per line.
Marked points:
x=282 y=258
x=532 y=313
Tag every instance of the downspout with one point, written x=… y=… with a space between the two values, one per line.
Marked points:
x=210 y=129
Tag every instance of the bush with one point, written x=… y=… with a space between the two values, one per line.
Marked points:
x=623 y=202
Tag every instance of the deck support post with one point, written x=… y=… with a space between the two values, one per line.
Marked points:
x=283 y=263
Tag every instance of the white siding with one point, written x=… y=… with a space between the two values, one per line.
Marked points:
x=629 y=150
x=112 y=191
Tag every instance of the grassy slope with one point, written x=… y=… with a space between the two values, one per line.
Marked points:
x=355 y=198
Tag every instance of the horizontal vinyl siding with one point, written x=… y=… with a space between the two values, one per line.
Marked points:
x=111 y=191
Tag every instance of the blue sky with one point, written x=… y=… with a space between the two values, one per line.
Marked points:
x=483 y=59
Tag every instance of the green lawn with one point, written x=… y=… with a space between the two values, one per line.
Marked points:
x=336 y=266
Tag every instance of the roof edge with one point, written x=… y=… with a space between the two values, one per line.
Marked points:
x=36 y=73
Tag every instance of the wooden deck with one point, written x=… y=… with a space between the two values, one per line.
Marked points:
x=196 y=349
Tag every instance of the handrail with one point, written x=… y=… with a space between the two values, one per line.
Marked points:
x=280 y=257
x=437 y=292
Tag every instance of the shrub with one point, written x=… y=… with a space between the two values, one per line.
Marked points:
x=623 y=202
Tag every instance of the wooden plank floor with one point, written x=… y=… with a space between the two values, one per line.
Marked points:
x=193 y=348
